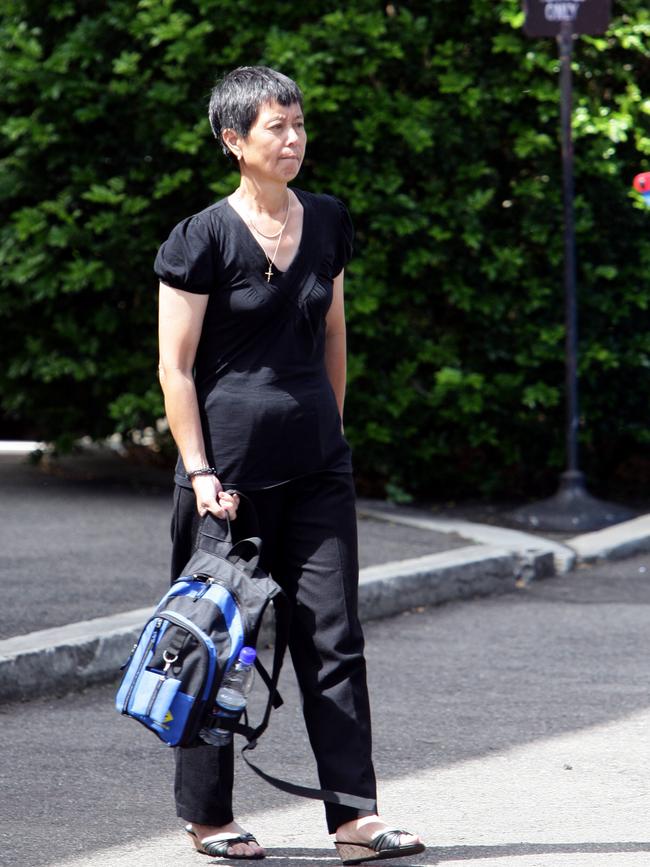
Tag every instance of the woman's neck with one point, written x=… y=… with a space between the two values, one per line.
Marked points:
x=262 y=198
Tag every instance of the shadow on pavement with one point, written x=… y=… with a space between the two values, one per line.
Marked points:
x=512 y=850
x=299 y=857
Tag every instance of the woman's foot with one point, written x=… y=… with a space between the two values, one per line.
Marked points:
x=363 y=829
x=368 y=838
x=251 y=849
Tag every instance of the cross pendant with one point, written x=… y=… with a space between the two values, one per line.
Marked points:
x=269 y=273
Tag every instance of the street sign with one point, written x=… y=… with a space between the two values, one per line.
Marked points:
x=545 y=17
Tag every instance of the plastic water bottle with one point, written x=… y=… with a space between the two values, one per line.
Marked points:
x=231 y=698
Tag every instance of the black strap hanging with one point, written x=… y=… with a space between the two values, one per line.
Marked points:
x=331 y=797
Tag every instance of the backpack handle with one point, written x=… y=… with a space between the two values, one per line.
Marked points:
x=213 y=534
x=245 y=554
x=246 y=513
x=220 y=529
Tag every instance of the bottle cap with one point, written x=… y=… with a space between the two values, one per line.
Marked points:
x=247 y=655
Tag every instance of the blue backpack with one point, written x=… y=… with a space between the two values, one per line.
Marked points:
x=196 y=632
x=215 y=608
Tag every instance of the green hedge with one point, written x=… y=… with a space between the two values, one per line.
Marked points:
x=437 y=123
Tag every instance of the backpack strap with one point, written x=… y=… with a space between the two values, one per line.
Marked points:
x=213 y=535
x=246 y=513
x=282 y=618
x=342 y=798
x=245 y=554
x=211 y=529
x=277 y=700
x=282 y=614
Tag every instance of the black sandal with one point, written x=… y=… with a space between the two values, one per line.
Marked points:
x=217 y=845
x=385 y=844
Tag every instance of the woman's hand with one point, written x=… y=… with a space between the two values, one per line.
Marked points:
x=211 y=497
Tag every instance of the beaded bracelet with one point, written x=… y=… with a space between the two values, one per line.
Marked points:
x=202 y=471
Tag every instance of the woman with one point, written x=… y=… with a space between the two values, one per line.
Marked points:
x=252 y=366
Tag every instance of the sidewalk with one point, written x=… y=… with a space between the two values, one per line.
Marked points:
x=520 y=738
x=85 y=557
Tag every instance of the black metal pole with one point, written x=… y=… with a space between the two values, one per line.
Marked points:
x=565 y=40
x=572 y=507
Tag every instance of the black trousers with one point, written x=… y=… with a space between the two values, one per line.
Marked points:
x=309 y=534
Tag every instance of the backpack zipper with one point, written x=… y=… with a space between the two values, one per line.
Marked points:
x=211 y=579
x=202 y=638
x=151 y=645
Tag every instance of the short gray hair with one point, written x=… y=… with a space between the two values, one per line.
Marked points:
x=236 y=99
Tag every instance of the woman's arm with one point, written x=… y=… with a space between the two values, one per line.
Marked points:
x=335 y=343
x=180 y=320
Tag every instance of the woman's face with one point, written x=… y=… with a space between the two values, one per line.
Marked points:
x=275 y=145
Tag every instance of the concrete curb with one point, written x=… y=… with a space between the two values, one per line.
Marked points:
x=462 y=573
x=515 y=541
x=81 y=654
x=614 y=543
x=69 y=657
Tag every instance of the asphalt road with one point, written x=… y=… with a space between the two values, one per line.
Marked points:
x=510 y=732
x=94 y=540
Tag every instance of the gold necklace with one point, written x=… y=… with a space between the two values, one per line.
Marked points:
x=268 y=274
x=271 y=237
x=271 y=259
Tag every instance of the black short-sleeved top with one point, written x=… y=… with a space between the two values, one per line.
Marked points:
x=267 y=407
